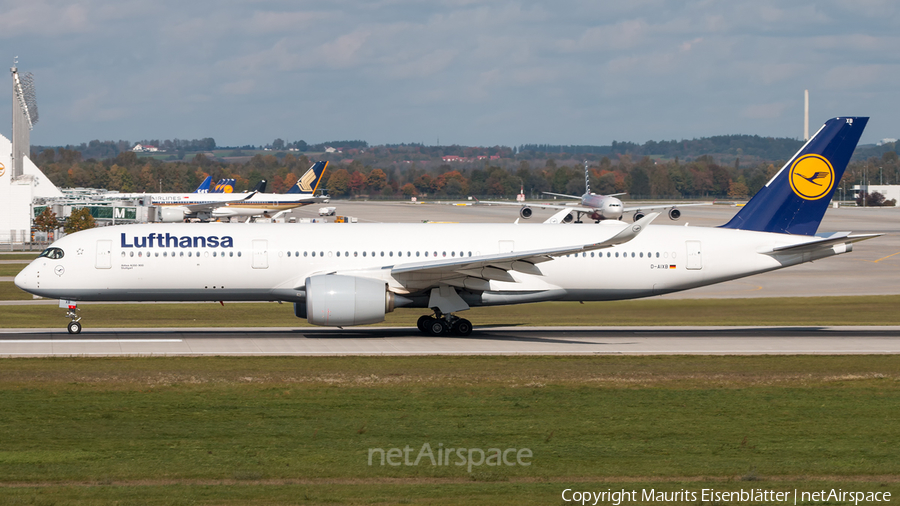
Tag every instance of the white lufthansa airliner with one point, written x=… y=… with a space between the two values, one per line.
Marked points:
x=340 y=275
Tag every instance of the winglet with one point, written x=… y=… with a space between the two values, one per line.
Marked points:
x=628 y=233
x=558 y=217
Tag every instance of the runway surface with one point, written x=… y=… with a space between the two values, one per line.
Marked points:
x=484 y=341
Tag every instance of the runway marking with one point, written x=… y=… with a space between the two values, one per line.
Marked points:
x=83 y=341
x=885 y=258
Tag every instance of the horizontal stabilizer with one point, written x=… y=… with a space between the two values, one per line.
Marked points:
x=824 y=242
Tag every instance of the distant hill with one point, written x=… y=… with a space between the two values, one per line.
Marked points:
x=722 y=148
x=765 y=148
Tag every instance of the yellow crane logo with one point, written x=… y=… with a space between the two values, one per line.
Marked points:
x=812 y=177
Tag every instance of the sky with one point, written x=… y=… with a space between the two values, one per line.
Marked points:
x=479 y=73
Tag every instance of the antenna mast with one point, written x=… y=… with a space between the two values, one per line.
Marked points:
x=25 y=115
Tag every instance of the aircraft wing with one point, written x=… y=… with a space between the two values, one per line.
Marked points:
x=581 y=209
x=664 y=206
x=523 y=261
x=419 y=276
x=562 y=195
x=208 y=206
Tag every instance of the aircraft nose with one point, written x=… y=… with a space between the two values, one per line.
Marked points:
x=26 y=279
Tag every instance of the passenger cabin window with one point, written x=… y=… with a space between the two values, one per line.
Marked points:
x=52 y=253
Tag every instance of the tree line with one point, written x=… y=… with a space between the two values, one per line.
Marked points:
x=368 y=176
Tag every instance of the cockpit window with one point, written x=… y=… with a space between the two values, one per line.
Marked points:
x=52 y=253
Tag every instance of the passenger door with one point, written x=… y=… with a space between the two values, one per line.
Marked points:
x=694 y=256
x=260 y=254
x=104 y=255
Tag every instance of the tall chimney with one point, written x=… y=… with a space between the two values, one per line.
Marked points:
x=805 y=115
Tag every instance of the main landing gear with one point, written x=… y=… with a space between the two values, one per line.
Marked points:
x=444 y=324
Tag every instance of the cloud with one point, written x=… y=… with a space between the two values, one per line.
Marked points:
x=479 y=72
x=765 y=111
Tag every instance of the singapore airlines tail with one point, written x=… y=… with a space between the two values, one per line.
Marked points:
x=795 y=200
x=309 y=182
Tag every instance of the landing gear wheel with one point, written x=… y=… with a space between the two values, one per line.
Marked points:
x=74 y=328
x=423 y=322
x=437 y=327
x=462 y=327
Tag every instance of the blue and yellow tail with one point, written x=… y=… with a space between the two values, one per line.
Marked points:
x=223 y=186
x=795 y=200
x=309 y=182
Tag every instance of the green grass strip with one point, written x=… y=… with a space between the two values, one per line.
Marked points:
x=858 y=310
x=9 y=291
x=19 y=256
x=11 y=269
x=264 y=430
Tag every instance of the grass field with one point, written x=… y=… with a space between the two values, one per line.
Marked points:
x=9 y=291
x=26 y=257
x=793 y=311
x=11 y=269
x=281 y=430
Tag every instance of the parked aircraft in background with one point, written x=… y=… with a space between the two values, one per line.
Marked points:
x=596 y=207
x=223 y=186
x=204 y=186
x=340 y=275
x=179 y=207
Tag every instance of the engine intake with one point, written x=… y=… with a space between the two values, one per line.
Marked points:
x=171 y=214
x=525 y=212
x=335 y=301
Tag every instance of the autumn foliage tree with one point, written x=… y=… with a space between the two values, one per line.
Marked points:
x=80 y=219
x=47 y=221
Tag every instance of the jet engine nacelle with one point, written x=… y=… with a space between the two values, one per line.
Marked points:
x=171 y=214
x=525 y=212
x=335 y=301
x=674 y=214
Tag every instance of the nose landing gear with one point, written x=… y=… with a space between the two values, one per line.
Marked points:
x=444 y=324
x=74 y=326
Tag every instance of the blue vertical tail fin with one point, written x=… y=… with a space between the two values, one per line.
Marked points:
x=204 y=186
x=309 y=182
x=795 y=200
x=223 y=186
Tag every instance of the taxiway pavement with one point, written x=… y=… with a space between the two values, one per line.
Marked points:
x=484 y=341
